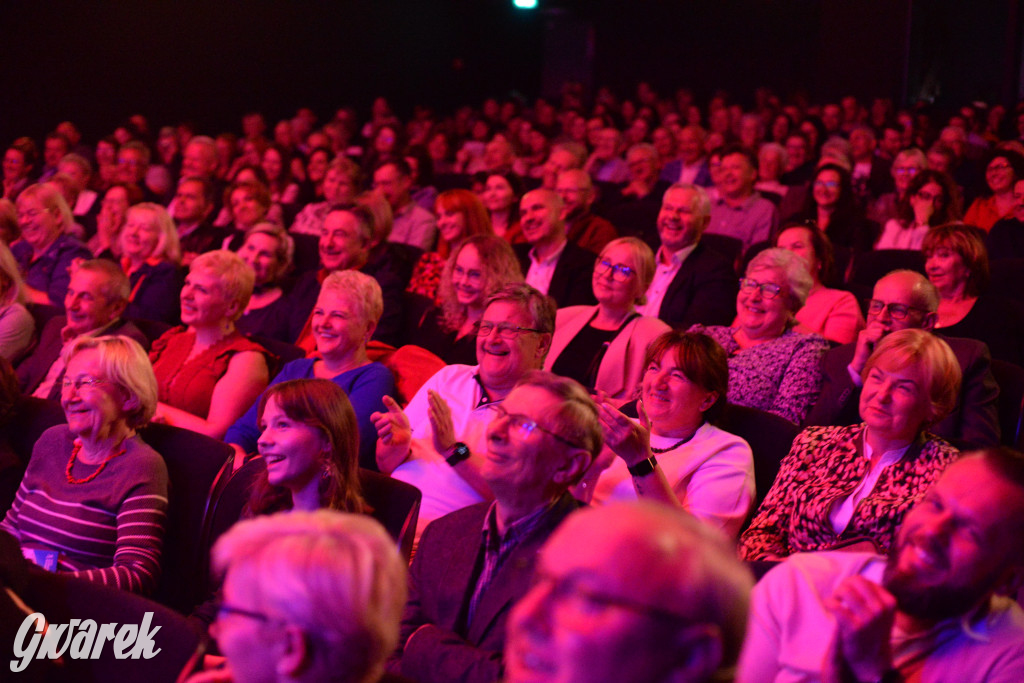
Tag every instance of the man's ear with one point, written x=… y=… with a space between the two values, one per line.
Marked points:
x=698 y=651
x=294 y=654
x=575 y=466
x=543 y=346
x=929 y=321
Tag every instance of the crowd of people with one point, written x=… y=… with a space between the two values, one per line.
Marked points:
x=537 y=314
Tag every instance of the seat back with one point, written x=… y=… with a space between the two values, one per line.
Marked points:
x=1007 y=277
x=195 y=465
x=395 y=504
x=1010 y=379
x=770 y=438
x=32 y=416
x=153 y=329
x=284 y=351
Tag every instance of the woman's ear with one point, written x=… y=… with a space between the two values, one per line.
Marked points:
x=708 y=401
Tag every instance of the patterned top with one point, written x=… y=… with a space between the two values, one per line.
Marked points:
x=109 y=530
x=781 y=376
x=188 y=383
x=426 y=275
x=822 y=469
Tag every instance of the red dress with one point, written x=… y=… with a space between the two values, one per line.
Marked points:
x=186 y=383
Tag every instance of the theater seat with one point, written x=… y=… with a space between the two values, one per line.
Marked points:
x=32 y=416
x=395 y=504
x=770 y=438
x=1010 y=405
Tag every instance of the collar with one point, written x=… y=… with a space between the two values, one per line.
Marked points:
x=66 y=337
x=747 y=203
x=675 y=258
x=517 y=530
x=550 y=260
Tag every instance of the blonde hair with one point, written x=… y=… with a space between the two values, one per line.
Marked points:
x=125 y=364
x=939 y=366
x=359 y=289
x=52 y=200
x=168 y=247
x=11 y=284
x=237 y=279
x=642 y=259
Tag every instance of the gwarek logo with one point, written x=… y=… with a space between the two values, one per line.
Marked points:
x=81 y=639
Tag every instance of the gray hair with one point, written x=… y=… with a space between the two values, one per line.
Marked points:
x=798 y=279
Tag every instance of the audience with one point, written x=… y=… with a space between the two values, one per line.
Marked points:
x=1003 y=169
x=17 y=326
x=150 y=254
x=269 y=250
x=931 y=199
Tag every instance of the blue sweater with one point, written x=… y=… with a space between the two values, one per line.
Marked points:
x=365 y=386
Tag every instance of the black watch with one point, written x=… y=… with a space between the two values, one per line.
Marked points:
x=643 y=468
x=460 y=452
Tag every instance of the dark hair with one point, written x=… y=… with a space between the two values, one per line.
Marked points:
x=736 y=148
x=324 y=406
x=702 y=360
x=969 y=242
x=823 y=249
x=400 y=164
x=1015 y=160
x=846 y=205
x=948 y=211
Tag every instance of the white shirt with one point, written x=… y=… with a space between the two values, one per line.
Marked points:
x=443 y=489
x=842 y=512
x=895 y=236
x=664 y=273
x=540 y=272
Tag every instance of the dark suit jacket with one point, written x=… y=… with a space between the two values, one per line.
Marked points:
x=441 y=583
x=974 y=421
x=570 y=283
x=703 y=291
x=33 y=369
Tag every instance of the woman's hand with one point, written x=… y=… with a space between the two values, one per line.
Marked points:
x=441 y=422
x=394 y=436
x=629 y=440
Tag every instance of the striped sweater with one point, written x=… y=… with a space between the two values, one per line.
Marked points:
x=109 y=530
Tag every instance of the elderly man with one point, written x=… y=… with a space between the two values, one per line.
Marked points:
x=96 y=296
x=438 y=443
x=935 y=610
x=634 y=211
x=584 y=228
x=692 y=282
x=551 y=263
x=474 y=564
x=413 y=224
x=311 y=597
x=738 y=211
x=901 y=300
x=630 y=593
x=605 y=165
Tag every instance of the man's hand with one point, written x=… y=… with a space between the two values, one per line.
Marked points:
x=441 y=422
x=866 y=341
x=394 y=436
x=864 y=613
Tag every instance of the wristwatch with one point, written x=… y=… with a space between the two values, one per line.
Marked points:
x=643 y=468
x=460 y=452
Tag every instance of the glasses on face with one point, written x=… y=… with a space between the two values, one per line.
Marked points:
x=998 y=167
x=524 y=425
x=769 y=290
x=81 y=382
x=223 y=609
x=620 y=273
x=829 y=184
x=507 y=331
x=905 y=171
x=896 y=311
x=564 y=590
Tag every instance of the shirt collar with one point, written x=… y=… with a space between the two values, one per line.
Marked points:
x=550 y=260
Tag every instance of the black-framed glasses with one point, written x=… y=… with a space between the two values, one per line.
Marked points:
x=223 y=608
x=896 y=311
x=483 y=328
x=769 y=290
x=524 y=425
x=620 y=273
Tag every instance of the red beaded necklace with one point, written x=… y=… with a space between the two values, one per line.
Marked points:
x=74 y=454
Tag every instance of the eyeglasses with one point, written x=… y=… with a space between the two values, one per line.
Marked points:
x=222 y=608
x=83 y=381
x=508 y=331
x=906 y=170
x=998 y=167
x=524 y=425
x=769 y=290
x=896 y=311
x=620 y=273
x=829 y=184
x=567 y=590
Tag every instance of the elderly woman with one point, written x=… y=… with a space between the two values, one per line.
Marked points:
x=344 y=318
x=603 y=347
x=45 y=251
x=460 y=214
x=341 y=185
x=692 y=464
x=772 y=367
x=839 y=484
x=16 y=323
x=208 y=373
x=477 y=268
x=310 y=444
x=268 y=249
x=907 y=164
x=956 y=262
x=1003 y=169
x=150 y=254
x=109 y=486
x=932 y=199
x=832 y=313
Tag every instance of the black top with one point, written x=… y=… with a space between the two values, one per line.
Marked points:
x=432 y=335
x=581 y=357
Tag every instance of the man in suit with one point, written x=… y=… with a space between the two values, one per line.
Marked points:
x=901 y=300
x=553 y=265
x=474 y=564
x=692 y=283
x=96 y=297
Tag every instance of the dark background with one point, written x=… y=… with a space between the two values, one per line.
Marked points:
x=96 y=63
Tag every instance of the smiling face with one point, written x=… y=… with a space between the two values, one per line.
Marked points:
x=737 y=176
x=671 y=399
x=468 y=277
x=95 y=408
x=946 y=270
x=140 y=235
x=798 y=240
x=14 y=166
x=246 y=208
x=898 y=288
x=758 y=316
x=952 y=551
x=680 y=222
x=503 y=361
x=342 y=244
x=338 y=187
x=339 y=327
x=203 y=300
x=539 y=217
x=894 y=401
x=190 y=205
x=609 y=289
x=272 y=164
x=260 y=252
x=451 y=223
x=826 y=189
x=295 y=452
x=86 y=303
x=39 y=225
x=999 y=175
x=498 y=195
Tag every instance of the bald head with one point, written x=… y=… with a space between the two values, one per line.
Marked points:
x=903 y=299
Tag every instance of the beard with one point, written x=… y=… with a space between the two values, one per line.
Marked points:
x=931 y=603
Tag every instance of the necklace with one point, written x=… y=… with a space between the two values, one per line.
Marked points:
x=75 y=450
x=677 y=444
